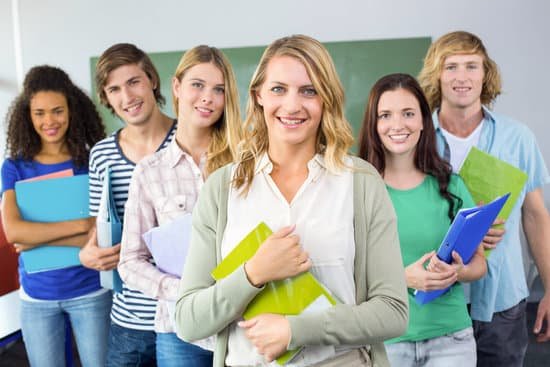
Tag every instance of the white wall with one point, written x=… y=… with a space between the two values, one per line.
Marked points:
x=66 y=33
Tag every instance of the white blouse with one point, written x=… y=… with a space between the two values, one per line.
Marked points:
x=322 y=211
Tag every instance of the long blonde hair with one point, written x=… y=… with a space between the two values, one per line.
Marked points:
x=457 y=43
x=334 y=137
x=226 y=131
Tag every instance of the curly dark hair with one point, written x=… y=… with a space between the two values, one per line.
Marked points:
x=426 y=158
x=85 y=126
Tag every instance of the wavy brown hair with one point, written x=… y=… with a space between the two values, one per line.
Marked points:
x=226 y=132
x=334 y=136
x=426 y=158
x=85 y=126
x=457 y=43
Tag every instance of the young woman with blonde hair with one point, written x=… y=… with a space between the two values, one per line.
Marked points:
x=167 y=184
x=330 y=213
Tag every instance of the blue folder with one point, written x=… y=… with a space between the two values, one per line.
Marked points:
x=464 y=236
x=52 y=200
x=109 y=231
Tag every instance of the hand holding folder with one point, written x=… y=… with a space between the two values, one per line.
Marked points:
x=109 y=231
x=290 y=296
x=464 y=236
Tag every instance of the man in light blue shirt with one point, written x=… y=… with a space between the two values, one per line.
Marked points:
x=460 y=81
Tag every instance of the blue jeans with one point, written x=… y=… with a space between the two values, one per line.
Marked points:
x=503 y=341
x=453 y=350
x=174 y=352
x=130 y=347
x=43 y=327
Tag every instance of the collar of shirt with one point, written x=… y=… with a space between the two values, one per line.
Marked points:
x=315 y=166
x=175 y=154
x=486 y=137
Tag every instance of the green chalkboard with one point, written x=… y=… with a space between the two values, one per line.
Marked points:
x=359 y=64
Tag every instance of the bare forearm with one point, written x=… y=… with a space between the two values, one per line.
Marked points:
x=476 y=269
x=34 y=233
x=537 y=231
x=78 y=240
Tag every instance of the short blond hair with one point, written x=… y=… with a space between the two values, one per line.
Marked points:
x=457 y=43
x=227 y=130
x=334 y=137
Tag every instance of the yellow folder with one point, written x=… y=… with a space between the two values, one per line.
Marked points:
x=285 y=297
x=488 y=177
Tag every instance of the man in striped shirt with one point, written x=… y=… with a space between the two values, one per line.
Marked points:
x=129 y=85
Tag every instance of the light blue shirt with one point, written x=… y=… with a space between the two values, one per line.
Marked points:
x=504 y=286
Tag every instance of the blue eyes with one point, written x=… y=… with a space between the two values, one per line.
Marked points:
x=307 y=91
x=217 y=90
x=455 y=67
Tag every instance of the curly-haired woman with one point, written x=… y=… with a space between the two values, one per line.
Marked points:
x=52 y=125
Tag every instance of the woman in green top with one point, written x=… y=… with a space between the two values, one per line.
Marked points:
x=398 y=138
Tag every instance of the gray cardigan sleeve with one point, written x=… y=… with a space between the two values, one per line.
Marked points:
x=382 y=306
x=206 y=307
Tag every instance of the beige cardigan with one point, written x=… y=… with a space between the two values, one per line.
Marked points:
x=206 y=307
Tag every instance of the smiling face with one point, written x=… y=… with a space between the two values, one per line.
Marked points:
x=399 y=122
x=130 y=92
x=291 y=106
x=462 y=81
x=201 y=95
x=50 y=116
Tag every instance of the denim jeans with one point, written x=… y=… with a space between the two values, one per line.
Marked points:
x=130 y=347
x=453 y=350
x=174 y=352
x=43 y=327
x=503 y=341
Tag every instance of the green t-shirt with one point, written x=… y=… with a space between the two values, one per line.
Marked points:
x=422 y=222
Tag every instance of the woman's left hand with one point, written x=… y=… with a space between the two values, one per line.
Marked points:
x=269 y=333
x=440 y=266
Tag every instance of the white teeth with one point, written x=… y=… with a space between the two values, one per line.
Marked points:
x=398 y=136
x=133 y=108
x=291 y=121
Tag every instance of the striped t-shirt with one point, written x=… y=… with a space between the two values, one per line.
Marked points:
x=131 y=308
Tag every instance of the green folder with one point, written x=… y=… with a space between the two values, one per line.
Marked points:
x=488 y=177
x=285 y=297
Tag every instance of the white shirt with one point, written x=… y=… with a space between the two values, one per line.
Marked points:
x=459 y=147
x=322 y=210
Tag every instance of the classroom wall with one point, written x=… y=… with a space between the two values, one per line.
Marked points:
x=67 y=33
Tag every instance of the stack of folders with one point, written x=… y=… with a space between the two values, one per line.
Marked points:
x=109 y=231
x=292 y=296
x=464 y=236
x=52 y=200
x=488 y=177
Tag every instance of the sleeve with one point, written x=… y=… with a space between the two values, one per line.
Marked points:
x=206 y=307
x=10 y=175
x=95 y=183
x=384 y=313
x=134 y=266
